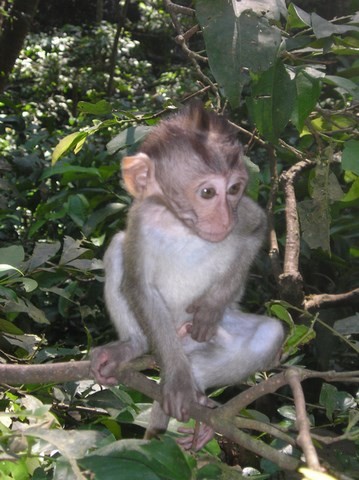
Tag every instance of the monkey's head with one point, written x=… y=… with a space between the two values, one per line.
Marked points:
x=194 y=161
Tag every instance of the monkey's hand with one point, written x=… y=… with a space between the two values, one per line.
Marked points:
x=206 y=318
x=106 y=359
x=178 y=392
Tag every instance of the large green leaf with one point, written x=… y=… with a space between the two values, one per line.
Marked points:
x=139 y=459
x=128 y=137
x=236 y=44
x=308 y=90
x=272 y=101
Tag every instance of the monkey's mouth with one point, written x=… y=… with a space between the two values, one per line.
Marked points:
x=213 y=237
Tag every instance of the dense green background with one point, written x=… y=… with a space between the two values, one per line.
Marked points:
x=287 y=76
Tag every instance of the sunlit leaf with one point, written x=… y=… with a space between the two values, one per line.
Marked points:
x=66 y=144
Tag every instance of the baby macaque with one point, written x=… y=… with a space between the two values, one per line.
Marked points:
x=184 y=258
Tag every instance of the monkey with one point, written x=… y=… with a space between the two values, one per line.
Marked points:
x=171 y=278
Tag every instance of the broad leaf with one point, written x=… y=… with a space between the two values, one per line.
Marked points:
x=308 y=91
x=12 y=256
x=41 y=254
x=77 y=208
x=322 y=28
x=297 y=18
x=236 y=45
x=66 y=144
x=350 y=160
x=71 y=251
x=100 y=108
x=128 y=137
x=70 y=169
x=272 y=100
x=343 y=84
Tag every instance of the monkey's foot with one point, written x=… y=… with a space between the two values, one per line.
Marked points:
x=105 y=361
x=196 y=438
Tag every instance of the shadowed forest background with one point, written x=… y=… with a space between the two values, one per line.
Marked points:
x=81 y=84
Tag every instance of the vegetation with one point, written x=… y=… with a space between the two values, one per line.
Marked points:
x=80 y=95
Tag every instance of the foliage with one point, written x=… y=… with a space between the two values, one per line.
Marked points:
x=291 y=82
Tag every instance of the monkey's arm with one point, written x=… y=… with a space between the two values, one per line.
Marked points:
x=139 y=287
x=247 y=237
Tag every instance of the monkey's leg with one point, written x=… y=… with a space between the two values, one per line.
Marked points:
x=158 y=422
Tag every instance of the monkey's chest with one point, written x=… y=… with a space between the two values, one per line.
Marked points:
x=182 y=268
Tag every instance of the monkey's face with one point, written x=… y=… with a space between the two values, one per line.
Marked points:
x=210 y=209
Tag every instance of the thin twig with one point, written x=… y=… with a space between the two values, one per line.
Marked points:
x=304 y=439
x=328 y=300
x=273 y=242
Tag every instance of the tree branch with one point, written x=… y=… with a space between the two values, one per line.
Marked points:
x=221 y=419
x=304 y=439
x=291 y=281
x=326 y=300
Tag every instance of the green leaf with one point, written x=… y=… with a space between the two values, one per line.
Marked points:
x=297 y=18
x=25 y=306
x=300 y=335
x=12 y=256
x=72 y=250
x=70 y=169
x=9 y=327
x=139 y=459
x=29 y=284
x=343 y=84
x=334 y=400
x=130 y=136
x=100 y=108
x=323 y=29
x=41 y=254
x=308 y=91
x=350 y=159
x=282 y=313
x=99 y=216
x=77 y=208
x=252 y=189
x=353 y=194
x=5 y=268
x=272 y=101
x=248 y=43
x=67 y=143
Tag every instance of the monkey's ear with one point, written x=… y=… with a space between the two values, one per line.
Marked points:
x=136 y=173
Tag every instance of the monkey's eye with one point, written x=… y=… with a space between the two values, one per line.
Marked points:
x=208 y=193
x=234 y=189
